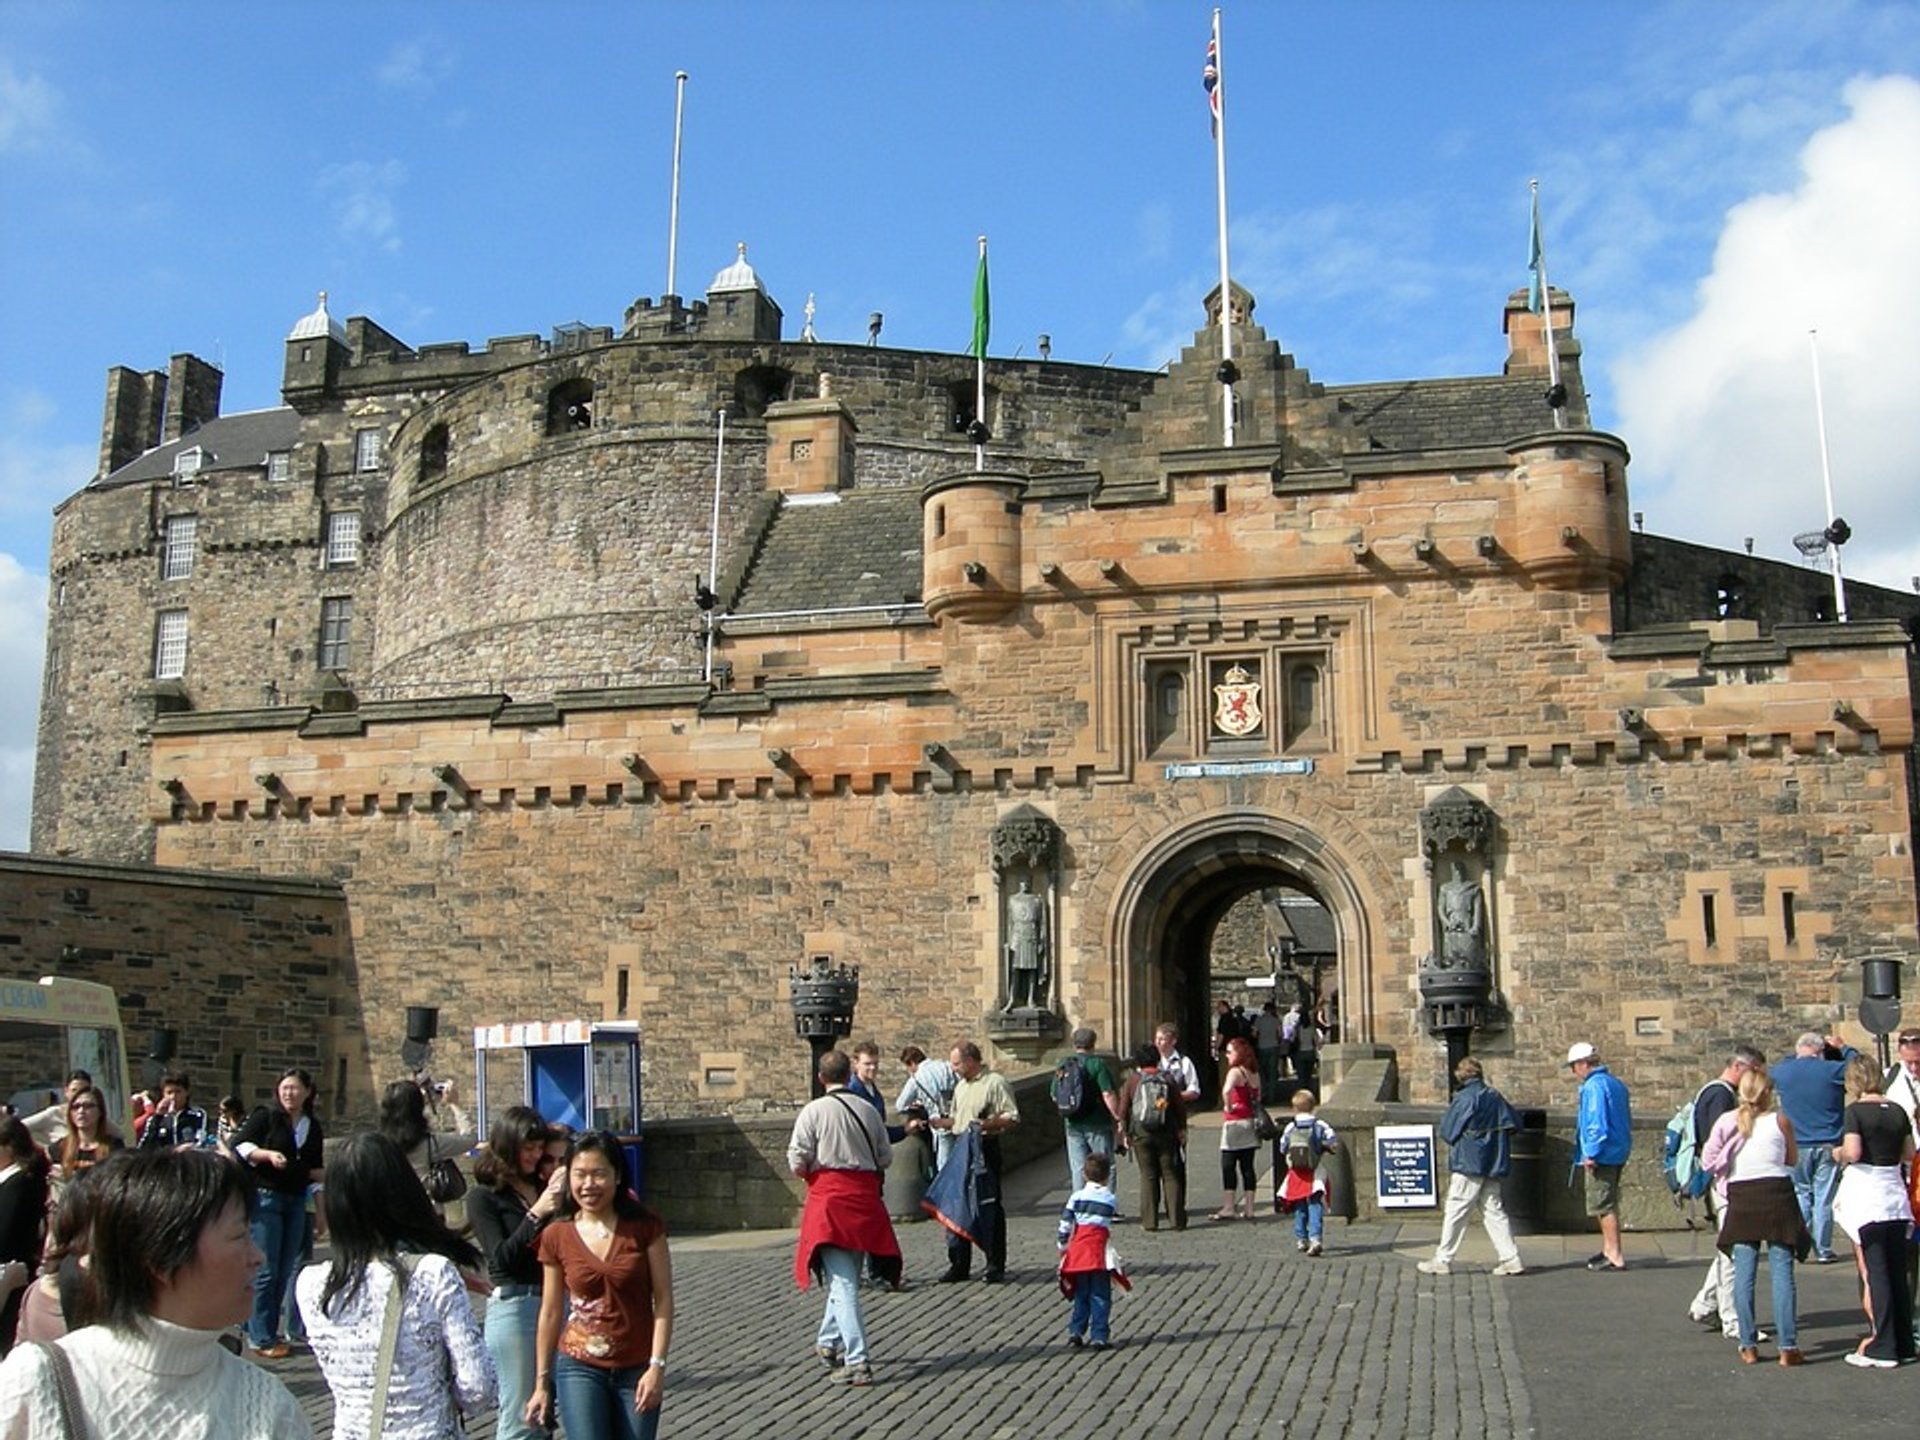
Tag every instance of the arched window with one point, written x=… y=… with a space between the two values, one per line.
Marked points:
x=433 y=454
x=570 y=407
x=759 y=386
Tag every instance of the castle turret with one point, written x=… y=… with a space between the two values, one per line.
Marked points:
x=971 y=545
x=316 y=349
x=1570 y=508
x=738 y=306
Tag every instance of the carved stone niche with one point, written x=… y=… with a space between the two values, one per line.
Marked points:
x=1025 y=850
x=1457 y=833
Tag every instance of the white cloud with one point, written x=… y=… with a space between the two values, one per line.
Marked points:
x=23 y=614
x=29 y=109
x=362 y=194
x=35 y=476
x=1720 y=408
x=415 y=66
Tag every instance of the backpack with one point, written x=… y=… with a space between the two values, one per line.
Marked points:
x=1680 y=1159
x=1069 y=1088
x=1303 y=1147
x=1152 y=1104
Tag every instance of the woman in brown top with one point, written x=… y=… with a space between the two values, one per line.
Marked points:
x=606 y=1304
x=90 y=1134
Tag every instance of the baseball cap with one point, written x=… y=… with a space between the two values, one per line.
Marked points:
x=1581 y=1051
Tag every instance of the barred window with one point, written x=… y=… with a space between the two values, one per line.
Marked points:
x=343 y=539
x=336 y=629
x=170 y=645
x=279 y=466
x=368 y=449
x=176 y=553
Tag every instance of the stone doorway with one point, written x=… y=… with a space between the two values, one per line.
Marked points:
x=1204 y=896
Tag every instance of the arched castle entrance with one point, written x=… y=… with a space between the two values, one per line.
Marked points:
x=1180 y=888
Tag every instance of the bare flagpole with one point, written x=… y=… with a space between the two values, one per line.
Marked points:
x=1227 y=372
x=1826 y=478
x=673 y=206
x=713 y=551
x=1555 y=394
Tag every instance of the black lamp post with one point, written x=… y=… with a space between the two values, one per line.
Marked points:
x=823 y=1001
x=1880 y=1000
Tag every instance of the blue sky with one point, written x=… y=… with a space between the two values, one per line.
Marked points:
x=1717 y=179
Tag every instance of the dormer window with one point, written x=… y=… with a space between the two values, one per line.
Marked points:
x=187 y=464
x=279 y=467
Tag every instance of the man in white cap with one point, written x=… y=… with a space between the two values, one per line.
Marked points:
x=1603 y=1140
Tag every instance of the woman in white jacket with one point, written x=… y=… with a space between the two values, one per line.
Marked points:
x=384 y=1234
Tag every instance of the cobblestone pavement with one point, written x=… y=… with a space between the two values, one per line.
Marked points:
x=1228 y=1328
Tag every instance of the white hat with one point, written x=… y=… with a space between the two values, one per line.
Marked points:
x=1582 y=1051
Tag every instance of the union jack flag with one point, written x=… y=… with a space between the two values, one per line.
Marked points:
x=1210 y=79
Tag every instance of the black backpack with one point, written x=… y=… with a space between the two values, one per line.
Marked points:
x=1069 y=1087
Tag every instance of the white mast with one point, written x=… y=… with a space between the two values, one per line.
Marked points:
x=1826 y=478
x=1220 y=186
x=673 y=205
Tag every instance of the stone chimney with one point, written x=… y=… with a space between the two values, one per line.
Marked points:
x=193 y=396
x=132 y=424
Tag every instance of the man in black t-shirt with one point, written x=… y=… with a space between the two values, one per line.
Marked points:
x=1714 y=1302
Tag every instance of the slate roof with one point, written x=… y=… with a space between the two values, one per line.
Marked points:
x=1473 y=413
x=231 y=442
x=862 y=549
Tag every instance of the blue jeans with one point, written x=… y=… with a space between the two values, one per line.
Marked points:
x=1082 y=1141
x=290 y=1317
x=1092 y=1304
x=842 y=1328
x=509 y=1328
x=1746 y=1267
x=1309 y=1217
x=279 y=1225
x=1815 y=1178
x=596 y=1403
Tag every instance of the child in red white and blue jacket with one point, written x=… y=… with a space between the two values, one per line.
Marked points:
x=1088 y=1263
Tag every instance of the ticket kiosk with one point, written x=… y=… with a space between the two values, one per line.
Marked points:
x=584 y=1074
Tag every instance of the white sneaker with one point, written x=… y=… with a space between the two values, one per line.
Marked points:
x=1434 y=1267
x=1510 y=1267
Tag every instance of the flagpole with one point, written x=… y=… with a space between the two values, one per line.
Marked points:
x=980 y=321
x=1220 y=188
x=673 y=205
x=1546 y=309
x=1826 y=478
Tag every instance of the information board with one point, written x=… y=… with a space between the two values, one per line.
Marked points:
x=1403 y=1167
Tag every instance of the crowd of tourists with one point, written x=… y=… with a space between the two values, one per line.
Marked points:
x=132 y=1267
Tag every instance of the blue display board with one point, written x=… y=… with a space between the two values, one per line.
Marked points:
x=1403 y=1167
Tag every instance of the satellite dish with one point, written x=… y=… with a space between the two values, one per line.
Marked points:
x=413 y=1053
x=1811 y=543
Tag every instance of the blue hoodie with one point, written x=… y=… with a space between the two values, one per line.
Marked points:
x=1606 y=1122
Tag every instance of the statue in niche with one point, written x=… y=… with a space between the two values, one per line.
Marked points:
x=1463 y=922
x=1026 y=949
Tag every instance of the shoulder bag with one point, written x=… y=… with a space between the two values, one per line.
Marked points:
x=443 y=1179
x=66 y=1391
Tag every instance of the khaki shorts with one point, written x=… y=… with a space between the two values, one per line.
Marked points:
x=1603 y=1190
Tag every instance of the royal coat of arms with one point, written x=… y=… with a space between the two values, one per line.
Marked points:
x=1236 y=704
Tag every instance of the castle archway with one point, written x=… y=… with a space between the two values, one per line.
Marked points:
x=1178 y=892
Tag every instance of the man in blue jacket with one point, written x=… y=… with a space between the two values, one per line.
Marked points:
x=1604 y=1139
x=1812 y=1090
x=1478 y=1129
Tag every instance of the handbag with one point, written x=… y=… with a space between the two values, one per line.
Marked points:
x=443 y=1179
x=1264 y=1129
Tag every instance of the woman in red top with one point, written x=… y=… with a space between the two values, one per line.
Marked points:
x=1239 y=1137
x=606 y=1304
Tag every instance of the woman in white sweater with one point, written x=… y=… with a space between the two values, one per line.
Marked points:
x=173 y=1262
x=385 y=1237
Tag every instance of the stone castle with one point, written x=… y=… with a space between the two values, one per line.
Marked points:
x=623 y=675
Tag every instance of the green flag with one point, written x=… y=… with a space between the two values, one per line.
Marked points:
x=980 y=309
